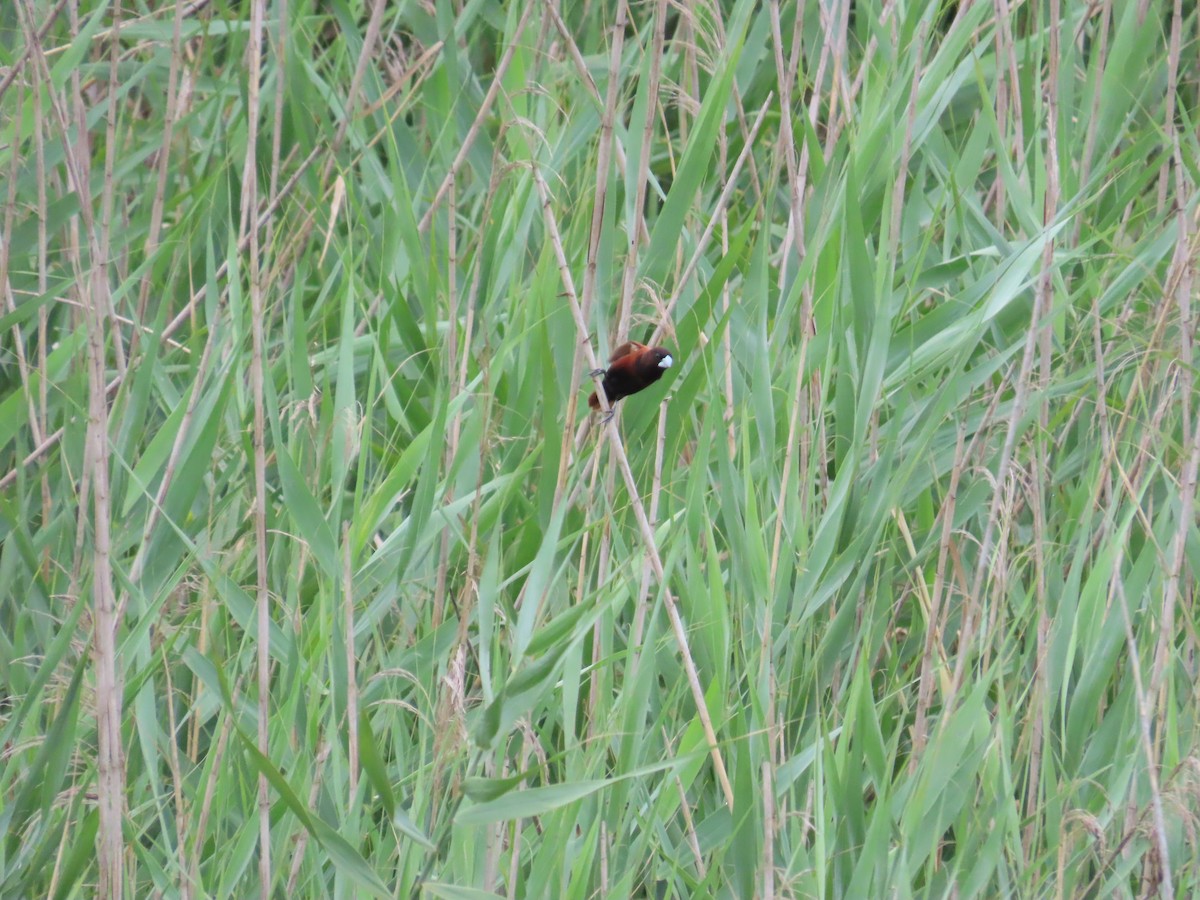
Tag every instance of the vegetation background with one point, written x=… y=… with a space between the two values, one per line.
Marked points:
x=315 y=584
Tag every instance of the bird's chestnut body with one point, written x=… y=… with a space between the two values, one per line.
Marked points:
x=632 y=367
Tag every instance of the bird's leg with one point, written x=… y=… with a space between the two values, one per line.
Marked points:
x=612 y=411
x=596 y=373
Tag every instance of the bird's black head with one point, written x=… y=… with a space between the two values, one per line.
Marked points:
x=657 y=358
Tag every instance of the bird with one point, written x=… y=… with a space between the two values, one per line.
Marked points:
x=632 y=367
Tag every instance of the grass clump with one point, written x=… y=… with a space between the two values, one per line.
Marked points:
x=317 y=583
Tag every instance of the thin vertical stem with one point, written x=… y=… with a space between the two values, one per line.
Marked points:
x=95 y=300
x=635 y=499
x=351 y=662
x=1037 y=700
x=250 y=227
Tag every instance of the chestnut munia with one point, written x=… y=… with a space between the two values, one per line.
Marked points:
x=632 y=367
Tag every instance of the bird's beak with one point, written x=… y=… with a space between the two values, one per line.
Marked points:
x=666 y=362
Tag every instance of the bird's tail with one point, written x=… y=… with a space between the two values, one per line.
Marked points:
x=594 y=401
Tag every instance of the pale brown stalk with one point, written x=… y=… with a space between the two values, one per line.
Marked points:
x=1164 y=658
x=182 y=436
x=604 y=886
x=702 y=244
x=986 y=564
x=439 y=588
x=93 y=283
x=1006 y=52
x=607 y=148
x=727 y=362
x=786 y=74
x=581 y=587
x=625 y=311
x=43 y=329
x=214 y=763
x=495 y=845
x=250 y=227
x=599 y=198
x=10 y=209
x=177 y=783
x=768 y=860
x=839 y=93
x=887 y=17
x=685 y=809
x=470 y=591
x=351 y=665
x=635 y=499
x=1145 y=715
x=637 y=227
x=281 y=80
x=106 y=191
x=1040 y=472
x=366 y=57
x=1100 y=55
x=111 y=763
x=1169 y=129
x=584 y=74
x=643 y=598
x=797 y=170
x=727 y=337
x=514 y=864
x=755 y=181
x=796 y=175
x=934 y=655
x=485 y=109
x=32 y=42
x=314 y=796
x=477 y=275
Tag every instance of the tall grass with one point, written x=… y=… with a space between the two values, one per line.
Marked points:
x=315 y=581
